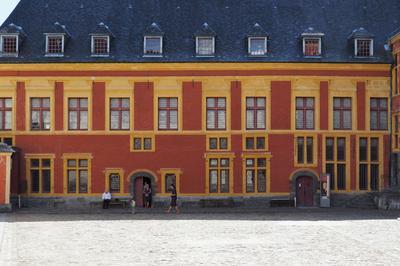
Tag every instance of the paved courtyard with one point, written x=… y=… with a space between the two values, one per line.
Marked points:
x=286 y=237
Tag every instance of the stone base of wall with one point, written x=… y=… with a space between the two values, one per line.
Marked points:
x=5 y=208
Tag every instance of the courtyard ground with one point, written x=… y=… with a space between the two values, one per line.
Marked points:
x=272 y=237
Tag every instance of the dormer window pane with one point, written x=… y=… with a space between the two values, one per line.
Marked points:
x=205 y=46
x=257 y=46
x=152 y=46
x=55 y=45
x=363 y=47
x=100 y=45
x=312 y=47
x=9 y=44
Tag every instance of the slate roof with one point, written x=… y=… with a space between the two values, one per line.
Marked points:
x=231 y=20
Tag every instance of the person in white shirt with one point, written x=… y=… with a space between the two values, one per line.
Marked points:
x=106 y=199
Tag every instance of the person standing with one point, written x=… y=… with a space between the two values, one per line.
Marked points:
x=106 y=199
x=174 y=198
x=146 y=194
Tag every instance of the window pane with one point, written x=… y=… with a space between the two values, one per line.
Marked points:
x=153 y=45
x=260 y=143
x=46 y=181
x=84 y=103
x=310 y=102
x=250 y=102
x=374 y=149
x=250 y=181
x=114 y=120
x=373 y=103
x=173 y=102
x=329 y=149
x=46 y=162
x=347 y=119
x=162 y=119
x=83 y=163
x=162 y=102
x=383 y=120
x=210 y=119
x=250 y=119
x=221 y=119
x=147 y=143
x=261 y=180
x=213 y=143
x=363 y=149
x=260 y=119
x=71 y=163
x=224 y=181
x=310 y=119
x=73 y=120
x=35 y=121
x=300 y=150
x=173 y=120
x=35 y=102
x=336 y=102
x=114 y=102
x=363 y=176
x=299 y=119
x=71 y=181
x=261 y=162
x=224 y=162
x=221 y=102
x=84 y=120
x=125 y=103
x=260 y=102
x=8 y=118
x=125 y=119
x=341 y=176
x=299 y=102
x=73 y=103
x=336 y=119
x=115 y=183
x=383 y=103
x=223 y=143
x=210 y=102
x=170 y=179
x=341 y=149
x=205 y=46
x=213 y=181
x=310 y=150
x=257 y=46
x=213 y=162
x=34 y=163
x=83 y=181
x=347 y=102
x=137 y=144
x=374 y=120
x=46 y=119
x=249 y=143
x=46 y=102
x=250 y=163
x=35 y=181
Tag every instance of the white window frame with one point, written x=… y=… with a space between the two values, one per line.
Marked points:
x=371 y=47
x=108 y=45
x=213 y=46
x=62 y=45
x=145 y=43
x=1 y=45
x=249 y=39
x=319 y=46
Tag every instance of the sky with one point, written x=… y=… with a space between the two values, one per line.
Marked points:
x=6 y=6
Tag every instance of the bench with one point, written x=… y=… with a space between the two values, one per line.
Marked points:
x=281 y=203
x=118 y=202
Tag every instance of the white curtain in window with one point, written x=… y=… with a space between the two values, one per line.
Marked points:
x=347 y=119
x=221 y=119
x=250 y=119
x=114 y=120
x=310 y=119
x=125 y=120
x=299 y=119
x=260 y=118
x=162 y=119
x=73 y=120
x=46 y=119
x=336 y=119
x=211 y=119
x=173 y=119
x=84 y=120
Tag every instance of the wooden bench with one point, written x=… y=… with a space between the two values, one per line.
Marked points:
x=281 y=203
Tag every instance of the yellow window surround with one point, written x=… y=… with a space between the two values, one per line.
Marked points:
x=257 y=139
x=144 y=139
x=254 y=156
x=305 y=162
x=119 y=89
x=166 y=171
x=40 y=168
x=6 y=91
x=352 y=94
x=219 y=139
x=369 y=162
x=75 y=93
x=7 y=138
x=77 y=157
x=335 y=162
x=218 y=156
x=307 y=88
x=376 y=92
x=119 y=171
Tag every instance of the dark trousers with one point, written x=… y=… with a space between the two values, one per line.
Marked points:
x=106 y=203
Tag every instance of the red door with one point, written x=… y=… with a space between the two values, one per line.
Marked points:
x=139 y=191
x=304 y=191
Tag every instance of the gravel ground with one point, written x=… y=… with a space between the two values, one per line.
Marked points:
x=275 y=238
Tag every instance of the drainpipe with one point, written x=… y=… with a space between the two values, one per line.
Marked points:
x=391 y=171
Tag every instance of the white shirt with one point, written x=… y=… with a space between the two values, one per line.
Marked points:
x=106 y=196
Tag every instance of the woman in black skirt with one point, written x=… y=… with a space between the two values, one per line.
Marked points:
x=174 y=197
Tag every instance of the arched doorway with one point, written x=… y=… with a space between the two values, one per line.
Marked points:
x=137 y=182
x=304 y=186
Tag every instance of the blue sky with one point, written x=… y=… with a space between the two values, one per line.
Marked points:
x=6 y=6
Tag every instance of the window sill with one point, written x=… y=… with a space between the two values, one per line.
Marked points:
x=257 y=56
x=147 y=55
x=312 y=56
x=54 y=55
x=205 y=56
x=8 y=55
x=100 y=55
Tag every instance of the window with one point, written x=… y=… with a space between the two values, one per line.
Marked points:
x=336 y=162
x=153 y=46
x=218 y=143
x=378 y=114
x=396 y=131
x=219 y=175
x=304 y=113
x=369 y=161
x=77 y=113
x=119 y=113
x=216 y=113
x=255 y=113
x=100 y=45
x=6 y=114
x=170 y=179
x=254 y=142
x=312 y=46
x=40 y=175
x=142 y=143
x=342 y=113
x=167 y=113
x=54 y=45
x=9 y=45
x=305 y=151
x=364 y=47
x=256 y=174
x=40 y=113
x=205 y=46
x=115 y=181
x=78 y=175
x=257 y=46
x=7 y=140
x=170 y=176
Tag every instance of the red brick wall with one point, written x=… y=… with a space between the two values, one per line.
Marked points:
x=236 y=103
x=236 y=142
x=353 y=162
x=98 y=105
x=21 y=105
x=280 y=104
x=324 y=105
x=143 y=106
x=192 y=101
x=59 y=105
x=3 y=175
x=361 y=109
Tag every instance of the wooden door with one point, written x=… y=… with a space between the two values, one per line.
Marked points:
x=304 y=191
x=139 y=191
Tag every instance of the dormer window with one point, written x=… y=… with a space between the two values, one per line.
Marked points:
x=205 y=46
x=363 y=47
x=153 y=45
x=257 y=46
x=311 y=46
x=54 y=45
x=9 y=45
x=100 y=45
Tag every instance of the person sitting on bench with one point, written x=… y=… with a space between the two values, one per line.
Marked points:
x=106 y=199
